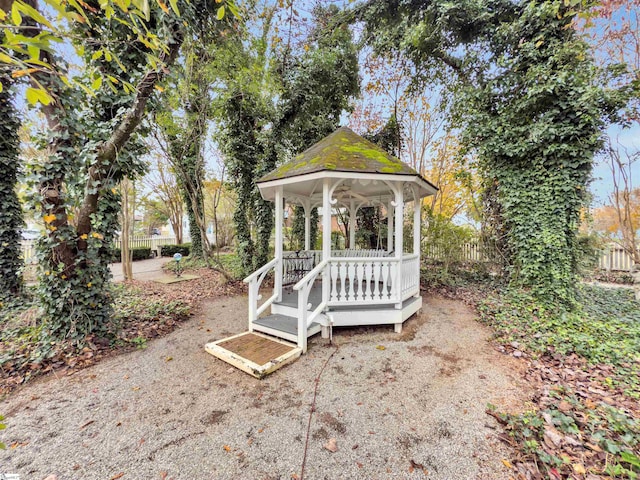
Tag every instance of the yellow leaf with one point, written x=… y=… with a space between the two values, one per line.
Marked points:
x=89 y=285
x=381 y=347
x=84 y=236
x=3 y=15
x=579 y=469
x=163 y=6
x=49 y=218
x=159 y=88
x=97 y=235
x=64 y=277
x=47 y=272
x=53 y=228
x=507 y=463
x=227 y=448
x=23 y=72
x=168 y=359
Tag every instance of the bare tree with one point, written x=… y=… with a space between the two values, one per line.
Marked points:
x=162 y=182
x=624 y=198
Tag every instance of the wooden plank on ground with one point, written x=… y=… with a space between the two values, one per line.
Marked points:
x=254 y=353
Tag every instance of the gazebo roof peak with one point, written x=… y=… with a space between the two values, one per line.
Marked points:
x=341 y=151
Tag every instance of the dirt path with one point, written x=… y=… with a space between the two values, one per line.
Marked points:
x=142 y=269
x=173 y=411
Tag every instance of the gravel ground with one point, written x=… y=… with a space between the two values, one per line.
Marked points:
x=174 y=411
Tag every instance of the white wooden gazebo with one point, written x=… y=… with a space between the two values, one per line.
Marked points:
x=316 y=290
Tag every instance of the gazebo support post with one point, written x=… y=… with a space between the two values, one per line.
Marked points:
x=390 y=226
x=417 y=232
x=279 y=201
x=307 y=225
x=398 y=244
x=417 y=223
x=352 y=224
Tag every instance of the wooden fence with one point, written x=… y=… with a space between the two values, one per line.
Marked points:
x=613 y=257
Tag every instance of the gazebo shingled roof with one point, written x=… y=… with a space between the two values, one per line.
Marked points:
x=342 y=151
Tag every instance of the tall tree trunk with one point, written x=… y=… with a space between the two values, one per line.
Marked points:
x=128 y=220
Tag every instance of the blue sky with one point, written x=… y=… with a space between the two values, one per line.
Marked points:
x=602 y=184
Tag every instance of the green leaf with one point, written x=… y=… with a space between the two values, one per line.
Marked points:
x=96 y=84
x=630 y=458
x=97 y=55
x=220 y=14
x=16 y=18
x=174 y=6
x=33 y=13
x=1 y=87
x=35 y=95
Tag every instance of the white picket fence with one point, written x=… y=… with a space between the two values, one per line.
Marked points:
x=613 y=257
x=152 y=242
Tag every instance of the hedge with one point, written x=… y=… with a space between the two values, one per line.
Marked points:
x=171 y=250
x=139 y=253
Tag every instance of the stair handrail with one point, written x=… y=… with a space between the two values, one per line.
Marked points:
x=303 y=287
x=255 y=280
x=261 y=270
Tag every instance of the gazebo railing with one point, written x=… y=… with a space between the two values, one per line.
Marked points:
x=410 y=275
x=296 y=264
x=360 y=281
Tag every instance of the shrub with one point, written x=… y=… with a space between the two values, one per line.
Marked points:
x=171 y=250
x=139 y=253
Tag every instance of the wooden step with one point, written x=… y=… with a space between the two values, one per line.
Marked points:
x=283 y=326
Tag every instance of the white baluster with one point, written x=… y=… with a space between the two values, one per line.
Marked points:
x=367 y=274
x=334 y=277
x=359 y=278
x=376 y=278
x=385 y=278
x=343 y=281
x=352 y=275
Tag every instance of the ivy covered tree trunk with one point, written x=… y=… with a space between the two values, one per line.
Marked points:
x=74 y=280
x=11 y=218
x=526 y=98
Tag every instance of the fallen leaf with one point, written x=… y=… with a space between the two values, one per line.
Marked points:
x=331 y=445
x=381 y=347
x=163 y=475
x=564 y=406
x=168 y=359
x=227 y=448
x=507 y=463
x=117 y=476
x=579 y=468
